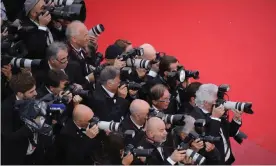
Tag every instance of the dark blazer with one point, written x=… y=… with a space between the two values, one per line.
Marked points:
x=127 y=124
x=74 y=147
x=229 y=129
x=155 y=158
x=107 y=108
x=73 y=71
x=35 y=40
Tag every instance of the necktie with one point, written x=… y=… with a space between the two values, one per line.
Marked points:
x=50 y=38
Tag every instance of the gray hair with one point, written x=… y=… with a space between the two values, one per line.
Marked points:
x=108 y=73
x=206 y=92
x=188 y=127
x=54 y=48
x=72 y=29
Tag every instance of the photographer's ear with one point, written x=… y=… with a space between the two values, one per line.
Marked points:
x=154 y=102
x=166 y=73
x=20 y=95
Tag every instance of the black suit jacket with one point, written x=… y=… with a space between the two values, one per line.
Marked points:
x=127 y=124
x=229 y=129
x=35 y=40
x=155 y=158
x=107 y=108
x=74 y=147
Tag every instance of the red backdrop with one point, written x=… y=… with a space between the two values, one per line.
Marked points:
x=228 y=41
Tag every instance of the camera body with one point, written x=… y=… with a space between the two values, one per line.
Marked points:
x=131 y=85
x=74 y=90
x=137 y=152
x=230 y=105
x=131 y=54
x=177 y=119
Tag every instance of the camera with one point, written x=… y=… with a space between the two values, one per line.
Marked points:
x=99 y=58
x=69 y=12
x=33 y=113
x=75 y=91
x=181 y=74
x=197 y=158
x=240 y=136
x=96 y=30
x=193 y=135
x=139 y=63
x=131 y=54
x=131 y=85
x=176 y=119
x=137 y=152
x=103 y=125
x=230 y=105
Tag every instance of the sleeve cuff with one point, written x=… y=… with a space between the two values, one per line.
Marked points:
x=152 y=73
x=237 y=133
x=237 y=121
x=171 y=161
x=42 y=28
x=87 y=79
x=218 y=119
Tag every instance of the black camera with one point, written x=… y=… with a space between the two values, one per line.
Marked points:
x=197 y=158
x=103 y=125
x=137 y=152
x=131 y=85
x=70 y=12
x=75 y=90
x=240 y=136
x=193 y=136
x=99 y=58
x=181 y=74
x=177 y=119
x=230 y=105
x=33 y=113
x=131 y=54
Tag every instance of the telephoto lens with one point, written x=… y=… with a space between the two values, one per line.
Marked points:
x=96 y=30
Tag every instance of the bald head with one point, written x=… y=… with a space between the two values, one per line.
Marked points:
x=74 y=29
x=154 y=124
x=82 y=113
x=139 y=106
x=149 y=52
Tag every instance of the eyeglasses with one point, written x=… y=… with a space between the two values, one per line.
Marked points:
x=63 y=60
x=164 y=101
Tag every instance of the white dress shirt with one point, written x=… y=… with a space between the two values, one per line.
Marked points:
x=50 y=38
x=138 y=126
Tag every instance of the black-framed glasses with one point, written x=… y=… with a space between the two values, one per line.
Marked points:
x=63 y=60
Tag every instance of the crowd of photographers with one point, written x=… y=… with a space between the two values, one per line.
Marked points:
x=63 y=102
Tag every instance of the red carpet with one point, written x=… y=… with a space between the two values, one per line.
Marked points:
x=228 y=41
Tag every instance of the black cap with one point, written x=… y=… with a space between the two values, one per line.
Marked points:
x=113 y=51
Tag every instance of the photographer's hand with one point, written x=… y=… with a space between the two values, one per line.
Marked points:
x=119 y=63
x=209 y=146
x=178 y=155
x=218 y=111
x=141 y=72
x=132 y=92
x=68 y=94
x=187 y=160
x=122 y=91
x=197 y=145
x=5 y=32
x=44 y=19
x=237 y=115
x=50 y=3
x=92 y=132
x=6 y=70
x=127 y=160
x=93 y=40
x=77 y=100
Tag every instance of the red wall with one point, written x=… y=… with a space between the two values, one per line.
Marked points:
x=228 y=41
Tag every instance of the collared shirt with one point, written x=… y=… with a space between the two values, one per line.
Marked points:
x=138 y=126
x=53 y=68
x=156 y=109
x=108 y=92
x=48 y=90
x=50 y=38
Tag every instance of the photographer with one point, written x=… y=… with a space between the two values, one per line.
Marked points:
x=77 y=143
x=57 y=59
x=40 y=37
x=217 y=126
x=139 y=110
x=187 y=98
x=108 y=100
x=167 y=64
x=78 y=40
x=20 y=145
x=155 y=136
x=125 y=45
x=206 y=149
x=111 y=54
